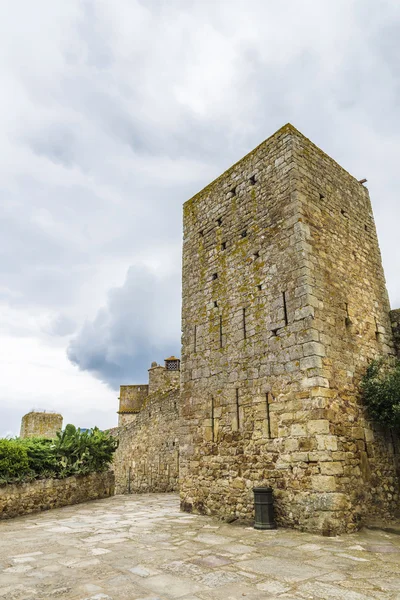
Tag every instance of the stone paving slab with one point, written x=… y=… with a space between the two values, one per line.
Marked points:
x=140 y=547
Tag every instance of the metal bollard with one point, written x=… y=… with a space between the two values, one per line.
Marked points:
x=264 y=508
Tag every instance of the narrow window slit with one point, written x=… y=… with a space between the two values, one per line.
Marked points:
x=201 y=233
x=253 y=180
x=220 y=332
x=219 y=222
x=233 y=191
x=223 y=246
x=212 y=419
x=195 y=339
x=259 y=287
x=215 y=304
x=347 y=320
x=244 y=324
x=268 y=415
x=285 y=308
x=237 y=409
x=377 y=333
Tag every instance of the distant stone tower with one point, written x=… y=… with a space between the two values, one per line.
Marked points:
x=132 y=397
x=284 y=304
x=41 y=424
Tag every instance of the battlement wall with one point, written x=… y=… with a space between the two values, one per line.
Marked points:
x=147 y=458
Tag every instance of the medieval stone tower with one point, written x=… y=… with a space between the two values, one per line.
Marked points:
x=40 y=424
x=284 y=303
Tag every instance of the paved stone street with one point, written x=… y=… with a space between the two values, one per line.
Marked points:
x=142 y=547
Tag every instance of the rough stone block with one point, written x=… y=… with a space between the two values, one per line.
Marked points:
x=323 y=483
x=318 y=427
x=331 y=468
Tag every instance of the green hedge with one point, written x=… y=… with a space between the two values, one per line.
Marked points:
x=72 y=452
x=14 y=462
x=381 y=391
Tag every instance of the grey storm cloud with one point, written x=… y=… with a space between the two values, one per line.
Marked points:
x=112 y=114
x=139 y=324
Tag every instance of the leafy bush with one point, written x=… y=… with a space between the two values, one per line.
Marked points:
x=381 y=391
x=14 y=463
x=73 y=452
x=42 y=460
x=83 y=451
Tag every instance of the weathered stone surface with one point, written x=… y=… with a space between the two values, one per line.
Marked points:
x=147 y=458
x=40 y=424
x=284 y=304
x=43 y=494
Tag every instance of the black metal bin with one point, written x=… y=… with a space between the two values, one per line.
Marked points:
x=264 y=508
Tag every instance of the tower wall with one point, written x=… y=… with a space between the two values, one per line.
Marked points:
x=162 y=379
x=131 y=399
x=284 y=302
x=347 y=284
x=40 y=424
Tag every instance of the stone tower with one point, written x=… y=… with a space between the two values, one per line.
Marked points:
x=132 y=397
x=284 y=304
x=40 y=424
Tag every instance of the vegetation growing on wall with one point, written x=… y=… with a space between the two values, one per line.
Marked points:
x=381 y=391
x=73 y=452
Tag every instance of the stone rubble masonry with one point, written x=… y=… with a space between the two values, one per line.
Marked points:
x=284 y=304
x=131 y=400
x=161 y=378
x=147 y=457
x=40 y=424
x=395 y=319
x=132 y=397
x=43 y=494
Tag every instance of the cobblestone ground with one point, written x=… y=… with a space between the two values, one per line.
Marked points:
x=142 y=547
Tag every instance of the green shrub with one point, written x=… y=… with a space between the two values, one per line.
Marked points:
x=381 y=391
x=81 y=452
x=42 y=460
x=73 y=452
x=14 y=463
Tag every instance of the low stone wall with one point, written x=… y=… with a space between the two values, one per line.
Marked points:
x=147 y=458
x=43 y=494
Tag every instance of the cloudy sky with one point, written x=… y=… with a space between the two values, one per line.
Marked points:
x=112 y=114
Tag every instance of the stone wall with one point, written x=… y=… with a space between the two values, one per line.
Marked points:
x=40 y=424
x=147 y=458
x=284 y=303
x=43 y=494
x=395 y=320
x=160 y=378
x=131 y=399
